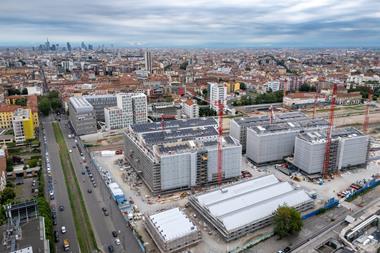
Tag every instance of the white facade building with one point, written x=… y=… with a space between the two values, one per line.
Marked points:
x=217 y=92
x=273 y=86
x=190 y=109
x=131 y=109
x=139 y=105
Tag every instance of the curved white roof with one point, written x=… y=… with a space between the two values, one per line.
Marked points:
x=247 y=202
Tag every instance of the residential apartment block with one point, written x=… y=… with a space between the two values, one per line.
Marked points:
x=131 y=109
x=191 y=109
x=23 y=126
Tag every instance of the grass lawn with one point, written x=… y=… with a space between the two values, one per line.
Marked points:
x=85 y=234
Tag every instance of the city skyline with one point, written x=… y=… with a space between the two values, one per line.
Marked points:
x=199 y=23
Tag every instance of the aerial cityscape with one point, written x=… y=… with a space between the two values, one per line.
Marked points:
x=202 y=126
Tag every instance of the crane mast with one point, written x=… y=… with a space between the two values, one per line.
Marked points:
x=326 y=162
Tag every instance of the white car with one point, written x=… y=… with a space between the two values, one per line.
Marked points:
x=63 y=229
x=70 y=151
x=117 y=241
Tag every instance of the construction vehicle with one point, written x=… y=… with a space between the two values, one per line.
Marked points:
x=66 y=245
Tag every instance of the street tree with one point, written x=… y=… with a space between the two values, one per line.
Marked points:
x=287 y=220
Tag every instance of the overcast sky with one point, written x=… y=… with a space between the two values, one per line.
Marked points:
x=193 y=23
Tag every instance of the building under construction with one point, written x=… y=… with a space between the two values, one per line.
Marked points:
x=238 y=127
x=348 y=148
x=268 y=143
x=244 y=207
x=180 y=154
x=172 y=230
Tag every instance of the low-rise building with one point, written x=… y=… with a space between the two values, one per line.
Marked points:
x=24 y=231
x=348 y=98
x=304 y=99
x=172 y=230
x=244 y=207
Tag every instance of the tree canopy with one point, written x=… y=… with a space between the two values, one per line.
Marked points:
x=8 y=194
x=287 y=220
x=44 y=106
x=206 y=111
x=24 y=91
x=270 y=97
x=307 y=88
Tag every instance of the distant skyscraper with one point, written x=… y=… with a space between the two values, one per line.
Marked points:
x=148 y=61
x=83 y=46
x=90 y=47
x=68 y=46
x=47 y=45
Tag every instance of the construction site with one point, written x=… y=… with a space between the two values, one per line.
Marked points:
x=183 y=154
x=215 y=179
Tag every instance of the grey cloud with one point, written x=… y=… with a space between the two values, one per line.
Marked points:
x=198 y=23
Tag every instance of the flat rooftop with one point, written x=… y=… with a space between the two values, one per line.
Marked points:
x=191 y=145
x=252 y=121
x=31 y=237
x=172 y=224
x=248 y=202
x=289 y=125
x=80 y=104
x=320 y=136
x=170 y=135
x=173 y=124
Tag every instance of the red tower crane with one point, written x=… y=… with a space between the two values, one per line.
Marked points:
x=366 y=114
x=326 y=162
x=220 y=140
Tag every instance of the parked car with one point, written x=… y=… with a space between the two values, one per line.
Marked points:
x=114 y=234
x=56 y=236
x=110 y=249
x=63 y=229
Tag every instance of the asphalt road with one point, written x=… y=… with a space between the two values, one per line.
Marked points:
x=64 y=218
x=100 y=197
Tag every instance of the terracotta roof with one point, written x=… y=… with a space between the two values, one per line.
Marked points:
x=9 y=108
x=350 y=94
x=189 y=102
x=302 y=95
x=32 y=103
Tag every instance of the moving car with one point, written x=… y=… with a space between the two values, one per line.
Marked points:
x=66 y=245
x=63 y=229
